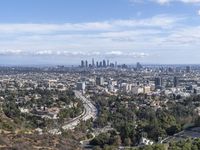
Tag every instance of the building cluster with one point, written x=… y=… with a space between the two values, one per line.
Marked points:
x=97 y=64
x=172 y=81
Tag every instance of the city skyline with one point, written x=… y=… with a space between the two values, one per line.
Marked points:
x=64 y=32
x=97 y=63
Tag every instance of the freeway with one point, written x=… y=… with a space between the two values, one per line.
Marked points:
x=192 y=133
x=90 y=111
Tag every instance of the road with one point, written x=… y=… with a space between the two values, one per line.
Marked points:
x=185 y=134
x=90 y=111
x=96 y=132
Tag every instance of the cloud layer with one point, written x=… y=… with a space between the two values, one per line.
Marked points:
x=125 y=38
x=79 y=54
x=161 y=21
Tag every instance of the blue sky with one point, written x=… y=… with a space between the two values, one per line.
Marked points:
x=65 y=31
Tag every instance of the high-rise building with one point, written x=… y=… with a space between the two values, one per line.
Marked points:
x=97 y=64
x=112 y=65
x=170 y=69
x=158 y=82
x=99 y=81
x=188 y=69
x=115 y=64
x=93 y=65
x=108 y=64
x=100 y=64
x=176 y=81
x=138 y=66
x=104 y=63
x=86 y=64
x=80 y=86
x=82 y=63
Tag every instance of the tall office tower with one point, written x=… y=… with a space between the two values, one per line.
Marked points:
x=108 y=64
x=158 y=82
x=115 y=64
x=80 y=86
x=99 y=81
x=104 y=63
x=138 y=66
x=176 y=81
x=86 y=64
x=112 y=65
x=97 y=64
x=100 y=64
x=93 y=65
x=82 y=63
x=188 y=69
x=170 y=69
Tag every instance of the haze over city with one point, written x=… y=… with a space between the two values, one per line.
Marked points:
x=36 y=32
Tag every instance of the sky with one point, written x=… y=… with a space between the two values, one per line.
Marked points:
x=62 y=32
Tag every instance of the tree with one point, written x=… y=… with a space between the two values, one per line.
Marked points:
x=173 y=129
x=127 y=142
x=96 y=148
x=117 y=140
x=101 y=139
x=197 y=121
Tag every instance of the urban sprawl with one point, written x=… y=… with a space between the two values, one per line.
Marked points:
x=103 y=103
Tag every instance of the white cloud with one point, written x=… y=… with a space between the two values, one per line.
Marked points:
x=186 y=36
x=155 y=21
x=162 y=1
x=126 y=54
x=10 y=52
x=110 y=54
x=47 y=28
x=162 y=21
